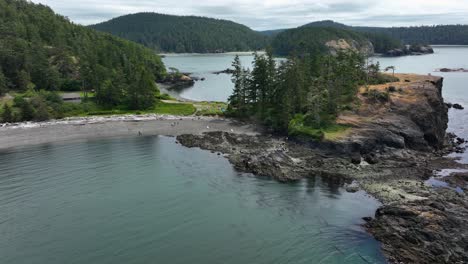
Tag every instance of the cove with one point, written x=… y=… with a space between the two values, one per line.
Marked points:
x=150 y=200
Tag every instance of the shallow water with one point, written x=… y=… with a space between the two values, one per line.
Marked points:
x=150 y=200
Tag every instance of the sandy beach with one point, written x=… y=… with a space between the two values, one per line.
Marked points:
x=79 y=128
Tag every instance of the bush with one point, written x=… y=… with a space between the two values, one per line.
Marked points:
x=381 y=78
x=298 y=129
x=392 y=89
x=7 y=114
x=165 y=96
x=378 y=96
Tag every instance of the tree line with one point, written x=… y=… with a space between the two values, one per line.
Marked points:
x=184 y=34
x=437 y=34
x=303 y=94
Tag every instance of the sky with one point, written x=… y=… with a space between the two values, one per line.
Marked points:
x=275 y=14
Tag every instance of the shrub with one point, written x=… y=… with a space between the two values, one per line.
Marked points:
x=298 y=129
x=392 y=89
x=7 y=115
x=378 y=96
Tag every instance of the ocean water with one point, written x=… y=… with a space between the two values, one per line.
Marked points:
x=150 y=200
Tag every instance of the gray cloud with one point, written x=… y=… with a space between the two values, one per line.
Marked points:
x=271 y=14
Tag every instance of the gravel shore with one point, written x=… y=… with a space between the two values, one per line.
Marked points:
x=79 y=128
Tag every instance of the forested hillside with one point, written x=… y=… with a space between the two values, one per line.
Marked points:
x=313 y=39
x=381 y=41
x=40 y=50
x=441 y=34
x=389 y=36
x=167 y=33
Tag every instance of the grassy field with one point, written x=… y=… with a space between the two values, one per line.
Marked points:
x=210 y=108
x=183 y=109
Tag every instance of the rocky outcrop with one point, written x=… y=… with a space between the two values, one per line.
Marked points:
x=178 y=81
x=451 y=70
x=414 y=116
x=410 y=50
x=335 y=46
x=428 y=230
x=226 y=71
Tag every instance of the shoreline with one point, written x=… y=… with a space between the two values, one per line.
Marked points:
x=96 y=127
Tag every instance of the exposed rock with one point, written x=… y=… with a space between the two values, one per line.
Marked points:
x=395 y=53
x=416 y=119
x=424 y=231
x=420 y=49
x=342 y=44
x=452 y=70
x=226 y=71
x=458 y=107
x=178 y=81
x=410 y=50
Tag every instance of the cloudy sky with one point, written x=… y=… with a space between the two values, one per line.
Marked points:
x=273 y=14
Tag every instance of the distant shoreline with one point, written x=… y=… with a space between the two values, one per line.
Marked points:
x=241 y=53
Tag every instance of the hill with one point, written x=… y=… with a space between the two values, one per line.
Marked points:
x=184 y=34
x=434 y=35
x=318 y=39
x=40 y=50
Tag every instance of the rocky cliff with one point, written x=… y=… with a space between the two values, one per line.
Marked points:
x=409 y=114
x=364 y=47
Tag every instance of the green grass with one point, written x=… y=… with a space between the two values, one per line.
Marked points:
x=91 y=109
x=210 y=108
x=160 y=108
x=335 y=132
x=184 y=109
x=330 y=132
x=90 y=94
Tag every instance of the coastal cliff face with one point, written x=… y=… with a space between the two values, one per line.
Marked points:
x=365 y=47
x=412 y=115
x=397 y=138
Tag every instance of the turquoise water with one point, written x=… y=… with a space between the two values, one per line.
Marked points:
x=150 y=200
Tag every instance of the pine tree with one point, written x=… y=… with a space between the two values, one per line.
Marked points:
x=3 y=83
x=237 y=99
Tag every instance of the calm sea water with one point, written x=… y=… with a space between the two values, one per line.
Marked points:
x=149 y=200
x=216 y=87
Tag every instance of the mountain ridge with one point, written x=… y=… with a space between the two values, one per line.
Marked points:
x=184 y=34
